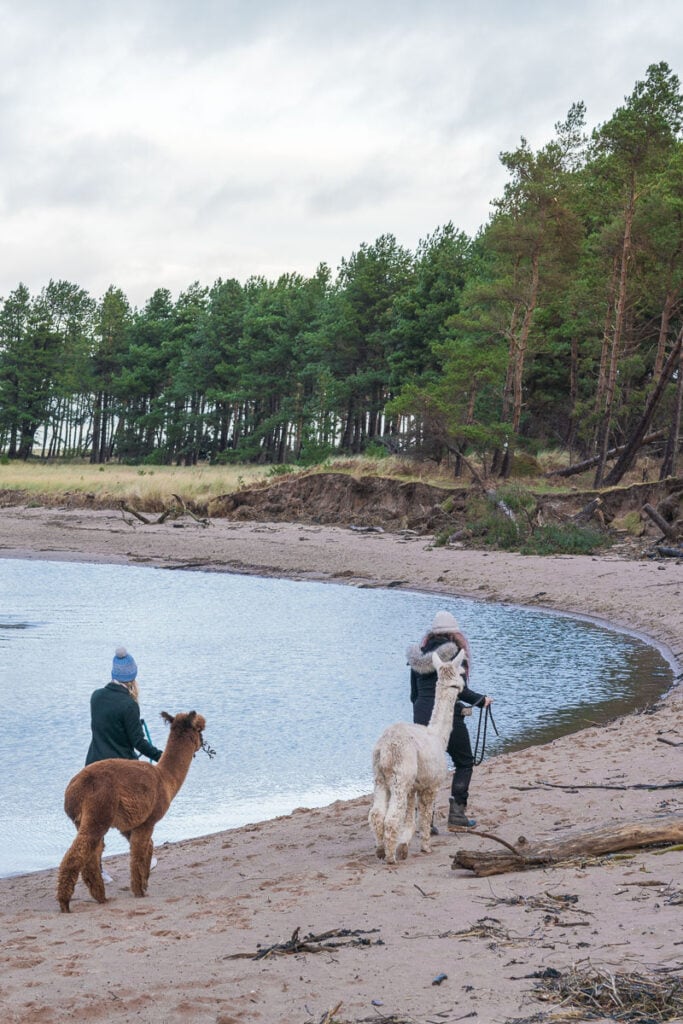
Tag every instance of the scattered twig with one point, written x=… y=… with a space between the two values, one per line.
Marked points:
x=311 y=944
x=427 y=895
x=328 y=1018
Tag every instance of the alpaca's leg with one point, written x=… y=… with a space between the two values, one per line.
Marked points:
x=141 y=847
x=76 y=860
x=377 y=815
x=426 y=800
x=67 y=877
x=407 y=829
x=396 y=832
x=92 y=870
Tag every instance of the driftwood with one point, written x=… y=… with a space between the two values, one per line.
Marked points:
x=575 y=845
x=602 y=785
x=669 y=552
x=173 y=512
x=667 y=529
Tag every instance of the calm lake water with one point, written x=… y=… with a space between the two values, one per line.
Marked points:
x=296 y=681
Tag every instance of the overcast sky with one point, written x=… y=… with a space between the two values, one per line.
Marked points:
x=155 y=143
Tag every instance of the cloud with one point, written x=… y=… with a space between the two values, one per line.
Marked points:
x=153 y=143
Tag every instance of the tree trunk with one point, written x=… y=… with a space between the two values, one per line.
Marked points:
x=606 y=335
x=670 y=532
x=606 y=423
x=665 y=320
x=626 y=458
x=587 y=843
x=671 y=450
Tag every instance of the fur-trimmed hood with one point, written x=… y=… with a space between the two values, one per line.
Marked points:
x=421 y=661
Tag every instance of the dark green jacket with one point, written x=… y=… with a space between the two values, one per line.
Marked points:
x=116 y=726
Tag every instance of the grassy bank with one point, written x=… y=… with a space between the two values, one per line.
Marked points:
x=132 y=484
x=156 y=485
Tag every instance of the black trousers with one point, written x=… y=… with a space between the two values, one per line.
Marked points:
x=459 y=749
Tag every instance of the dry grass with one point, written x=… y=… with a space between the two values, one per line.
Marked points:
x=150 y=486
x=153 y=487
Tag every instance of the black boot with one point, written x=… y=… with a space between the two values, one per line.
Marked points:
x=457 y=816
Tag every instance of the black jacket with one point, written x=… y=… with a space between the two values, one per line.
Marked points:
x=423 y=676
x=116 y=726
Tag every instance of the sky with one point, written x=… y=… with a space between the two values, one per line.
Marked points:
x=156 y=143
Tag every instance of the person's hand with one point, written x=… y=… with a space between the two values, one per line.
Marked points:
x=487 y=701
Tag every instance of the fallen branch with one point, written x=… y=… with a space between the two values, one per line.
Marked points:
x=600 y=785
x=669 y=552
x=173 y=512
x=575 y=845
x=188 y=512
x=133 y=512
x=580 y=467
x=310 y=944
x=667 y=529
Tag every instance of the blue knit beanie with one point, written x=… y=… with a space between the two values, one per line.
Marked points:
x=123 y=667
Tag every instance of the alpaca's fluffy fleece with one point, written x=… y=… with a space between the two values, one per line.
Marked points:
x=409 y=767
x=131 y=796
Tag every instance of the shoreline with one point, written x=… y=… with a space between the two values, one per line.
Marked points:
x=315 y=869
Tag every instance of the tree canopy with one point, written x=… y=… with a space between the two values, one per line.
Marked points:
x=557 y=326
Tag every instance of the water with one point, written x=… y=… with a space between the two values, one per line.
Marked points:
x=296 y=681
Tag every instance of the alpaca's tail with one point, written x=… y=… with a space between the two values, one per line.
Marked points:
x=83 y=857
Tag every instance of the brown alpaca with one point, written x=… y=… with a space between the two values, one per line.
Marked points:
x=131 y=796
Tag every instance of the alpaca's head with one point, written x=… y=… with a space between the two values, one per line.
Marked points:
x=187 y=723
x=451 y=674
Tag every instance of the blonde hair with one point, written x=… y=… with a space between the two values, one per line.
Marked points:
x=133 y=690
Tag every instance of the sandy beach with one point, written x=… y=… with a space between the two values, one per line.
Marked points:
x=187 y=952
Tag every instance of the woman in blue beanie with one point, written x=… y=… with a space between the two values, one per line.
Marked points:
x=115 y=716
x=115 y=720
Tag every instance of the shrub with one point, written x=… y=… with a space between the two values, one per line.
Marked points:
x=554 y=539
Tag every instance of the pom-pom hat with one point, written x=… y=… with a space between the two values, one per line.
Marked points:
x=123 y=667
x=444 y=622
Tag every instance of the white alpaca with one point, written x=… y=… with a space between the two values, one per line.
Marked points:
x=409 y=764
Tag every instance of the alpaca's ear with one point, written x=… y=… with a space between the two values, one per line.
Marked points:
x=436 y=661
x=191 y=715
x=166 y=717
x=461 y=655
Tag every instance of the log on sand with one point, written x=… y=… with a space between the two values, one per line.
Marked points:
x=573 y=845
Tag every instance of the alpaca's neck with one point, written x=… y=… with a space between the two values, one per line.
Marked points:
x=175 y=761
x=441 y=722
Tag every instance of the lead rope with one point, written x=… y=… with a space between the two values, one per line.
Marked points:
x=149 y=738
x=487 y=714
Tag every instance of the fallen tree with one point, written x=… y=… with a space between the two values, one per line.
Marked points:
x=594 y=842
x=581 y=467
